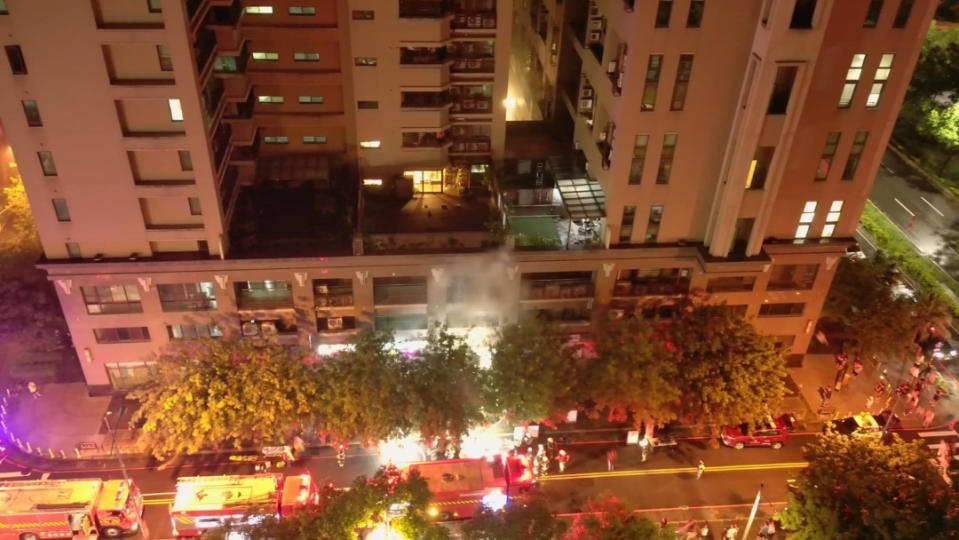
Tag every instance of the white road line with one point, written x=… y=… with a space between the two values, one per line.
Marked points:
x=873 y=246
x=904 y=206
x=931 y=206
x=14 y=474
x=942 y=433
x=44 y=476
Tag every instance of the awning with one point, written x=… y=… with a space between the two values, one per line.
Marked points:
x=583 y=198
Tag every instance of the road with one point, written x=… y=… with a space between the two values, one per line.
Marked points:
x=664 y=486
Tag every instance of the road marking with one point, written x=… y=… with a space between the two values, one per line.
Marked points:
x=936 y=433
x=44 y=476
x=904 y=206
x=675 y=470
x=931 y=206
x=863 y=235
x=13 y=474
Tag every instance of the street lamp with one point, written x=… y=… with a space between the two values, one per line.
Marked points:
x=111 y=430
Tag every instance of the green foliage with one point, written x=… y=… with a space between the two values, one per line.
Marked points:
x=858 y=487
x=533 y=372
x=366 y=393
x=728 y=372
x=941 y=124
x=634 y=371
x=530 y=520
x=215 y=392
x=445 y=378
x=608 y=519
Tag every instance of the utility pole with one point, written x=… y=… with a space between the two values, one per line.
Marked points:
x=752 y=514
x=112 y=430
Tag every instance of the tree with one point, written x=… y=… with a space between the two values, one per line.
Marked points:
x=609 y=519
x=343 y=514
x=366 y=393
x=533 y=372
x=521 y=520
x=213 y=393
x=936 y=76
x=859 y=487
x=941 y=124
x=728 y=372
x=634 y=371
x=445 y=378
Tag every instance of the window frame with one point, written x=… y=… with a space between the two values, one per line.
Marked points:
x=638 y=162
x=31 y=112
x=18 y=64
x=694 y=19
x=873 y=13
x=903 y=14
x=43 y=163
x=827 y=156
x=61 y=210
x=666 y=158
x=654 y=69
x=684 y=72
x=855 y=155
x=664 y=12
x=102 y=336
x=853 y=76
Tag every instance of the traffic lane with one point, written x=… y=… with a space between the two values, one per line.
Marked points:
x=915 y=192
x=923 y=234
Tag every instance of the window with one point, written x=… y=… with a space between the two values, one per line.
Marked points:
x=639 y=159
x=626 y=225
x=832 y=219
x=306 y=57
x=47 y=163
x=367 y=104
x=155 y=6
x=178 y=332
x=15 y=56
x=803 y=12
x=314 y=139
x=270 y=99
x=663 y=11
x=741 y=233
x=781 y=310
x=682 y=82
x=73 y=250
x=855 y=153
x=163 y=55
x=105 y=299
x=902 y=14
x=364 y=61
x=302 y=10
x=265 y=56
x=791 y=277
x=695 y=17
x=32 y=112
x=852 y=77
x=731 y=284
x=3 y=8
x=401 y=290
x=655 y=219
x=652 y=82
x=759 y=168
x=828 y=153
x=666 y=158
x=60 y=208
x=132 y=334
x=176 y=110
x=186 y=161
x=369 y=144
x=782 y=89
x=195 y=208
x=805 y=218
x=879 y=81
x=260 y=10
x=310 y=99
x=872 y=14
x=187 y=296
x=363 y=15
x=276 y=139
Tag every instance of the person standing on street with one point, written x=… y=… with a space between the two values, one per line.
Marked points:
x=562 y=459
x=700 y=470
x=34 y=390
x=610 y=459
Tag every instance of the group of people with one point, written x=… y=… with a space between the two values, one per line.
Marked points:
x=545 y=455
x=766 y=532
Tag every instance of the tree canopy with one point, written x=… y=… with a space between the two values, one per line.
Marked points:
x=609 y=519
x=860 y=487
x=936 y=77
x=212 y=393
x=521 y=520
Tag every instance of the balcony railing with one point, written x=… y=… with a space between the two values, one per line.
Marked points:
x=224 y=15
x=204 y=49
x=557 y=290
x=233 y=64
x=474 y=21
x=228 y=184
x=473 y=65
x=423 y=9
x=211 y=97
x=221 y=143
x=422 y=56
x=194 y=304
x=386 y=295
x=651 y=288
x=264 y=299
x=240 y=111
x=425 y=140
x=478 y=105
x=470 y=144
x=424 y=100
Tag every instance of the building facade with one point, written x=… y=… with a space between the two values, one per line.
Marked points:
x=297 y=169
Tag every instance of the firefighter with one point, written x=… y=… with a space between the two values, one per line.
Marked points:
x=644 y=448
x=562 y=458
x=341 y=456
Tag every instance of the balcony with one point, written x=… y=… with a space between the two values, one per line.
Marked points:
x=221 y=143
x=399 y=291
x=473 y=65
x=228 y=185
x=558 y=290
x=470 y=145
x=475 y=21
x=211 y=98
x=473 y=105
x=224 y=15
x=240 y=110
x=232 y=64
x=419 y=56
x=255 y=299
x=423 y=9
x=203 y=50
x=652 y=282
x=425 y=139
x=424 y=100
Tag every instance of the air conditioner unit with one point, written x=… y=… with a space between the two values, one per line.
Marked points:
x=595 y=36
x=268 y=328
x=249 y=329
x=616 y=314
x=334 y=323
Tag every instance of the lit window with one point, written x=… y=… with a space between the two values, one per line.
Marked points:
x=260 y=10
x=802 y=231
x=364 y=61
x=302 y=10
x=270 y=99
x=314 y=139
x=810 y=206
x=879 y=81
x=828 y=229
x=666 y=158
x=265 y=56
x=639 y=159
x=176 y=110
x=372 y=181
x=653 y=67
x=832 y=218
x=277 y=139
x=306 y=57
x=311 y=99
x=852 y=77
x=836 y=206
x=369 y=144
x=808 y=212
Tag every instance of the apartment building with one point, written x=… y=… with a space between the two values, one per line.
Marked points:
x=297 y=169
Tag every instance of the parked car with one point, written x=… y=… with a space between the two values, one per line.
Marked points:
x=772 y=432
x=857 y=425
x=855 y=253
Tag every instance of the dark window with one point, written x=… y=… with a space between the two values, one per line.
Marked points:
x=626 y=225
x=855 y=154
x=653 y=68
x=60 y=208
x=695 y=17
x=639 y=159
x=333 y=292
x=682 y=82
x=741 y=234
x=3 y=7
x=187 y=296
x=781 y=310
x=786 y=277
x=163 y=55
x=663 y=12
x=760 y=167
x=666 y=158
x=782 y=89
x=363 y=15
x=364 y=61
x=400 y=321
x=186 y=162
x=828 y=153
x=155 y=6
x=195 y=208
x=179 y=332
x=872 y=14
x=105 y=299
x=15 y=56
x=121 y=335
x=32 y=112
x=655 y=220
x=301 y=10
x=367 y=104
x=902 y=14
x=335 y=324
x=73 y=250
x=803 y=12
x=731 y=284
x=267 y=294
x=47 y=163
x=399 y=290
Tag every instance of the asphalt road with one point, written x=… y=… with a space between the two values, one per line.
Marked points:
x=664 y=486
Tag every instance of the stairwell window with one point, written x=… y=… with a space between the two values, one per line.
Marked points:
x=176 y=110
x=364 y=61
x=626 y=225
x=264 y=56
x=259 y=10
x=695 y=17
x=640 y=145
x=270 y=99
x=163 y=56
x=663 y=12
x=32 y=113
x=855 y=154
x=872 y=14
x=276 y=139
x=314 y=139
x=666 y=158
x=853 y=74
x=805 y=218
x=195 y=208
x=653 y=67
x=306 y=57
x=832 y=219
x=682 y=82
x=879 y=81
x=902 y=14
x=828 y=153
x=155 y=6
x=369 y=144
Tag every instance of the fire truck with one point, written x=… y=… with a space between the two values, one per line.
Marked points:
x=207 y=502
x=463 y=487
x=34 y=509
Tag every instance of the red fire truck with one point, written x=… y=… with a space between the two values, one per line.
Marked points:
x=462 y=487
x=34 y=509
x=207 y=502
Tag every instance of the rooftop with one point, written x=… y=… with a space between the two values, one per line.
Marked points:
x=215 y=492
x=40 y=495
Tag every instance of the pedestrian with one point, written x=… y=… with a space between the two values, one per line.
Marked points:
x=914 y=371
x=299 y=446
x=700 y=470
x=771 y=531
x=825 y=394
x=704 y=530
x=764 y=531
x=857 y=367
x=927 y=421
x=644 y=448
x=732 y=532
x=610 y=459
x=550 y=448
x=34 y=390
x=869 y=401
x=663 y=523
x=562 y=459
x=845 y=378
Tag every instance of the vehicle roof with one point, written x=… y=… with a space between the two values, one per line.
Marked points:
x=114 y=495
x=228 y=491
x=458 y=475
x=42 y=496
x=866 y=420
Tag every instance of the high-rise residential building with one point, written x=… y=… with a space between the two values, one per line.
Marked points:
x=297 y=169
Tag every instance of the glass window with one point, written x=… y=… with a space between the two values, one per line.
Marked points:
x=853 y=74
x=803 y=12
x=759 y=168
x=663 y=12
x=15 y=56
x=264 y=56
x=276 y=139
x=164 y=57
x=626 y=225
x=73 y=250
x=640 y=145
x=399 y=290
x=879 y=81
x=784 y=277
x=155 y=6
x=792 y=309
x=310 y=99
x=782 y=89
x=802 y=231
x=828 y=153
x=666 y=158
x=364 y=61
x=121 y=335
x=176 y=110
x=369 y=144
x=367 y=104
x=104 y=299
x=302 y=10
x=32 y=112
x=855 y=154
x=270 y=99
x=260 y=10
x=655 y=220
x=363 y=15
x=180 y=332
x=314 y=139
x=682 y=82
x=695 y=17
x=872 y=14
x=306 y=57
x=47 y=163
x=902 y=14
x=187 y=296
x=129 y=375
x=195 y=209
x=61 y=210
x=653 y=68
x=186 y=161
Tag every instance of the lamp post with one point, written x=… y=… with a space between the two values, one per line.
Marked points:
x=111 y=430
